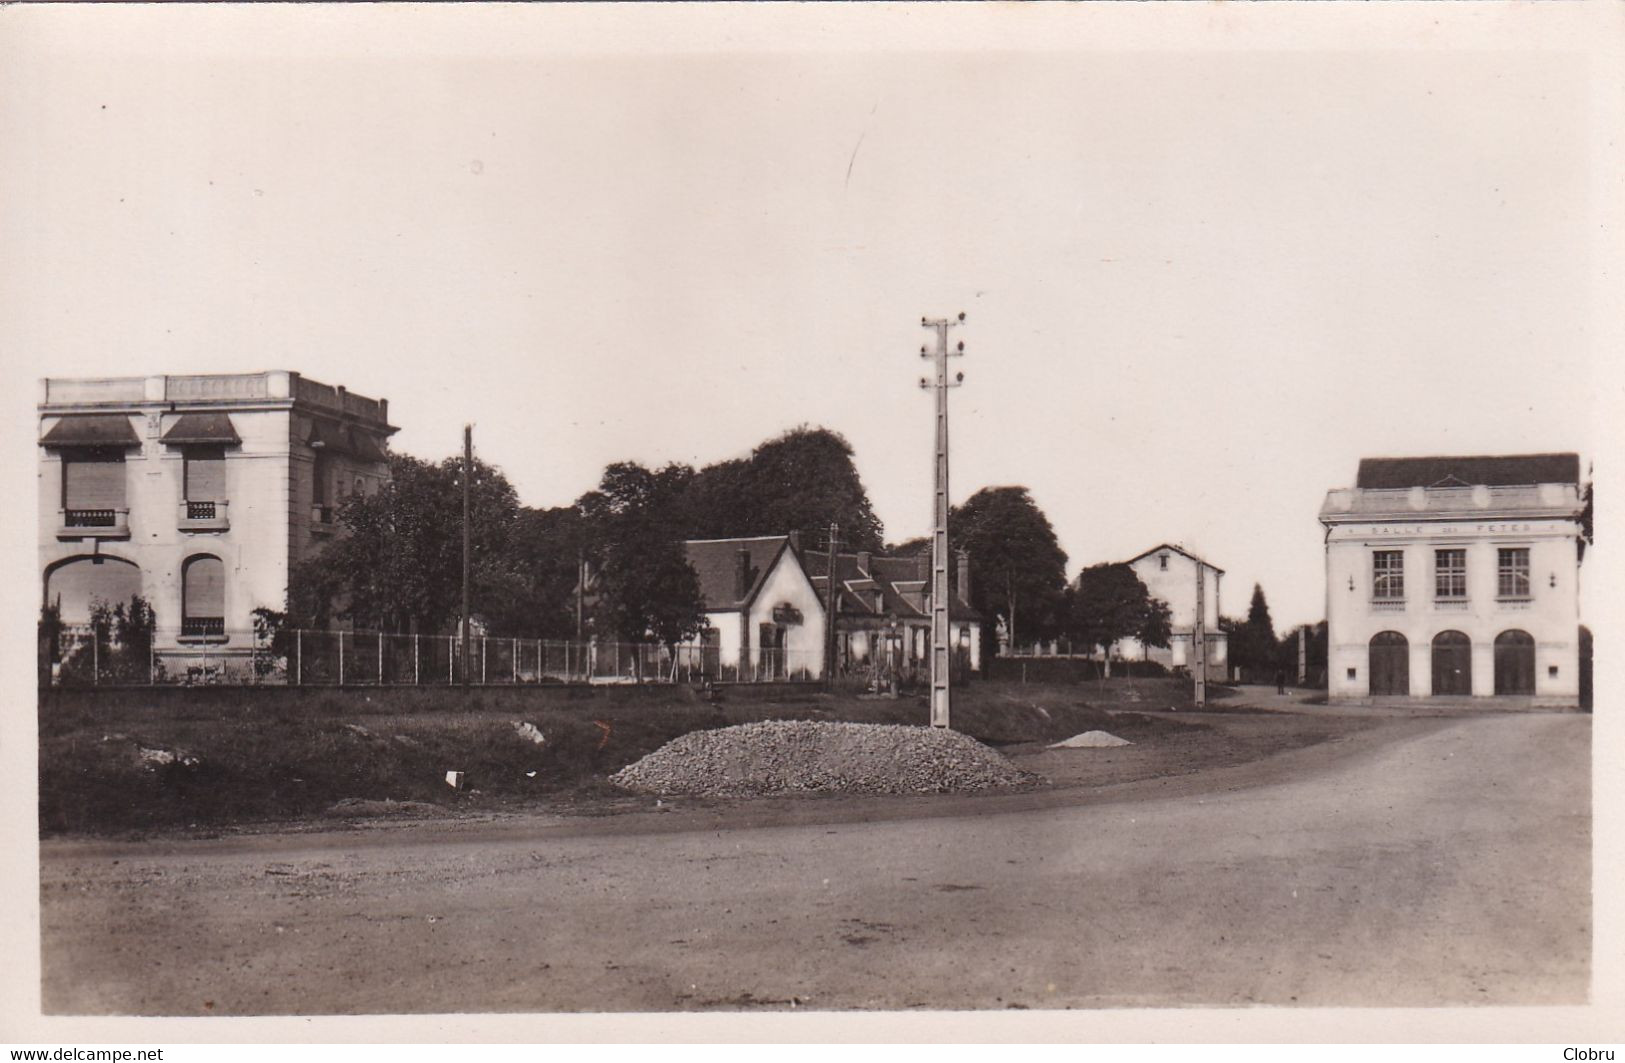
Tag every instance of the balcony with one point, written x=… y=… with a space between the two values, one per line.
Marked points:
x=203 y=516
x=1452 y=605
x=203 y=629
x=93 y=524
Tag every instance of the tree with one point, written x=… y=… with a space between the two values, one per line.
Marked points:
x=398 y=565
x=1158 y=626
x=1252 y=642
x=646 y=585
x=1018 y=569
x=1110 y=603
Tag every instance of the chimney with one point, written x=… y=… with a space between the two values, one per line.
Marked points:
x=742 y=574
x=964 y=577
x=863 y=562
x=795 y=540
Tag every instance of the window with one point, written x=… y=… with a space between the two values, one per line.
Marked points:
x=203 y=597
x=93 y=488
x=1512 y=572
x=1388 y=574
x=1450 y=573
x=320 y=488
x=1162 y=562
x=205 y=481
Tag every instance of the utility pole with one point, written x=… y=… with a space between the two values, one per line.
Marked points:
x=468 y=476
x=1199 y=637
x=830 y=602
x=941 y=651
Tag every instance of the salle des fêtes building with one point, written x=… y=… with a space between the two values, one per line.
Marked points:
x=1455 y=577
x=198 y=493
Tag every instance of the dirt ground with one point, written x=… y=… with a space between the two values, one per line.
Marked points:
x=1326 y=859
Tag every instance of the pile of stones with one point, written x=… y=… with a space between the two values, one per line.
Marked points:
x=791 y=756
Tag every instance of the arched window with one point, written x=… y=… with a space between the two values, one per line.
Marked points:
x=1514 y=663
x=1452 y=663
x=1390 y=664
x=203 y=597
x=75 y=584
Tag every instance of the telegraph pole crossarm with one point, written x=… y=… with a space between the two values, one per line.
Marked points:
x=940 y=647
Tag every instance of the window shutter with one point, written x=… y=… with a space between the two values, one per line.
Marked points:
x=93 y=483
x=205 y=588
x=206 y=477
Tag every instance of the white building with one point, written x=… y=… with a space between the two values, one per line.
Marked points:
x=1455 y=577
x=198 y=493
x=763 y=617
x=1171 y=573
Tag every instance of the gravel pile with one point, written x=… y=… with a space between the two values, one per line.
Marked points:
x=791 y=756
x=1091 y=740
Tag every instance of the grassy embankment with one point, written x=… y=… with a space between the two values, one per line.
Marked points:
x=262 y=755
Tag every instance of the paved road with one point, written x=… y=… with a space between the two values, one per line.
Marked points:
x=1437 y=865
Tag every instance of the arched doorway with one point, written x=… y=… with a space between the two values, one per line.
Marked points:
x=1514 y=663
x=1390 y=664
x=1452 y=664
x=79 y=582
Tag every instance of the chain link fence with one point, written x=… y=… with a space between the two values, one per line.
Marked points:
x=86 y=656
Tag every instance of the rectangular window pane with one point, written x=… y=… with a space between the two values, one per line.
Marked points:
x=93 y=483
x=1388 y=574
x=1513 y=573
x=1450 y=573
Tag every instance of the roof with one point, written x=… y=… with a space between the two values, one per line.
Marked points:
x=343 y=439
x=1490 y=470
x=716 y=563
x=1178 y=550
x=91 y=430
x=856 y=586
x=202 y=428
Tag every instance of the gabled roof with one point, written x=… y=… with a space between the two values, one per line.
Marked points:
x=213 y=428
x=856 y=586
x=91 y=430
x=1177 y=550
x=1488 y=470
x=716 y=564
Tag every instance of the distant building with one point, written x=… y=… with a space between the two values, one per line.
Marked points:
x=1170 y=573
x=762 y=613
x=883 y=611
x=198 y=493
x=1455 y=576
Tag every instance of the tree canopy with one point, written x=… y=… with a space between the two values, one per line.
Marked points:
x=1111 y=603
x=1018 y=569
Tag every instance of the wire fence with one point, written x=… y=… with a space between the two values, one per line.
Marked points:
x=82 y=656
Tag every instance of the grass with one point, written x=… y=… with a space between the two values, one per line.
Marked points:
x=269 y=755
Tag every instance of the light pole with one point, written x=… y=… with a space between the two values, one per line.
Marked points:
x=941 y=651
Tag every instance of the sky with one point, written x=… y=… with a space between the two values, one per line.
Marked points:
x=1204 y=273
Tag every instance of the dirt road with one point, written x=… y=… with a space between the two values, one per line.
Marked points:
x=1441 y=862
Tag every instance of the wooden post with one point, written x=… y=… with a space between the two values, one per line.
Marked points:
x=414 y=658
x=341 y=657
x=380 y=658
x=298 y=656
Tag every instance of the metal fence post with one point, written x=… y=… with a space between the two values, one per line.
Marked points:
x=95 y=658
x=380 y=658
x=451 y=659
x=298 y=656
x=513 y=656
x=341 y=657
x=414 y=658
x=152 y=663
x=483 y=641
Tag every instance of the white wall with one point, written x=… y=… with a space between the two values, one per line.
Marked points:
x=1551 y=617
x=1177 y=586
x=787 y=583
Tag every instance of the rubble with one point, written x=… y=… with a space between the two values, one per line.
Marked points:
x=789 y=756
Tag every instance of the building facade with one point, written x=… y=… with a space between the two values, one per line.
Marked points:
x=198 y=493
x=883 y=613
x=763 y=617
x=1170 y=573
x=1455 y=577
